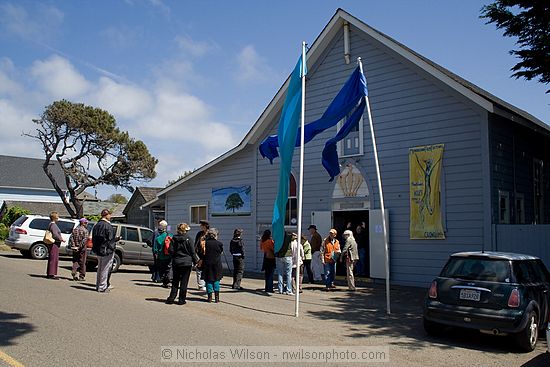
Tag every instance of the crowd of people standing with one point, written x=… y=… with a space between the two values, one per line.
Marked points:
x=177 y=255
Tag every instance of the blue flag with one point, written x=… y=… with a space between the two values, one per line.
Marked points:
x=286 y=138
x=349 y=103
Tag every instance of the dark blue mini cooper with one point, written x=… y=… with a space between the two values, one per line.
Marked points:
x=494 y=292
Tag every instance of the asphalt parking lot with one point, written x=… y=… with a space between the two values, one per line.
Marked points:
x=41 y=321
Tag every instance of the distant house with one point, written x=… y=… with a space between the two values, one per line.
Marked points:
x=143 y=217
x=91 y=208
x=23 y=179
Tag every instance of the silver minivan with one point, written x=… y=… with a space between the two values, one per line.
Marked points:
x=134 y=247
x=27 y=232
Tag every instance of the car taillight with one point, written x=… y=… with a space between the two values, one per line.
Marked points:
x=20 y=231
x=513 y=300
x=432 y=293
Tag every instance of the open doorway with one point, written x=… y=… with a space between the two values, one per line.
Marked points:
x=351 y=219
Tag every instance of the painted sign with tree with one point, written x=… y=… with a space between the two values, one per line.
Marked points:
x=233 y=200
x=91 y=150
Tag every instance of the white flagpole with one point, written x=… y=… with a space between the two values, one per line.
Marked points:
x=384 y=229
x=301 y=182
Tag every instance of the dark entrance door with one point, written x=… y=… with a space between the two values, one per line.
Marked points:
x=351 y=219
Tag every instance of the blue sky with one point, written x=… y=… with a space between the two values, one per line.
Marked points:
x=190 y=78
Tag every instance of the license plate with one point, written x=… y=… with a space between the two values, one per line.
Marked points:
x=470 y=295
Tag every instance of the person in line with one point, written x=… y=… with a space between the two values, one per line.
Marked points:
x=268 y=266
x=199 y=250
x=182 y=251
x=163 y=259
x=316 y=256
x=104 y=245
x=331 y=252
x=307 y=258
x=53 y=249
x=283 y=259
x=349 y=257
x=362 y=239
x=297 y=263
x=212 y=270
x=236 y=247
x=155 y=277
x=78 y=240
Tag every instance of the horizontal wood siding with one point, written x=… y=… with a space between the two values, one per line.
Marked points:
x=410 y=108
x=237 y=170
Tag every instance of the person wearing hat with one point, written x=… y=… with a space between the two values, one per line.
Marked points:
x=77 y=243
x=183 y=256
x=103 y=245
x=236 y=247
x=316 y=261
x=330 y=250
x=200 y=242
x=163 y=259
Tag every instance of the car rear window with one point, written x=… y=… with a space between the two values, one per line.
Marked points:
x=493 y=270
x=19 y=221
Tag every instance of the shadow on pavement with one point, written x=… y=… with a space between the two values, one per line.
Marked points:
x=365 y=313
x=83 y=288
x=188 y=299
x=46 y=278
x=542 y=360
x=11 y=328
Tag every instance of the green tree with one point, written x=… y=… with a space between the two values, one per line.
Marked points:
x=12 y=214
x=117 y=198
x=91 y=151
x=529 y=21
x=234 y=201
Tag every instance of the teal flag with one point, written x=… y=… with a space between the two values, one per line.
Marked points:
x=287 y=132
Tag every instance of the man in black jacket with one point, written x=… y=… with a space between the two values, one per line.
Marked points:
x=104 y=243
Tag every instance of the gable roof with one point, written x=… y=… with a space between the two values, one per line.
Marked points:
x=22 y=172
x=477 y=95
x=146 y=193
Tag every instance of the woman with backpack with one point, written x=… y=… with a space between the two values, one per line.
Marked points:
x=184 y=257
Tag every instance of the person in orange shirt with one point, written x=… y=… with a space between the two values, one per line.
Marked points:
x=268 y=247
x=331 y=251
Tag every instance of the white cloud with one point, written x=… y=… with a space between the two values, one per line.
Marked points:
x=37 y=26
x=121 y=37
x=14 y=121
x=121 y=100
x=251 y=67
x=195 y=48
x=59 y=78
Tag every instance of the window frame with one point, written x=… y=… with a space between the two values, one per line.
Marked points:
x=506 y=196
x=341 y=146
x=199 y=206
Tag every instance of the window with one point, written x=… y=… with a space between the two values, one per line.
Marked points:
x=129 y=234
x=520 y=209
x=198 y=213
x=538 y=190
x=291 y=218
x=352 y=144
x=146 y=235
x=503 y=207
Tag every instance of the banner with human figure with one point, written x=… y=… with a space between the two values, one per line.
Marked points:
x=425 y=196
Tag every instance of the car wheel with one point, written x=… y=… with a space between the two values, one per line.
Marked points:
x=39 y=251
x=432 y=328
x=25 y=253
x=116 y=263
x=527 y=338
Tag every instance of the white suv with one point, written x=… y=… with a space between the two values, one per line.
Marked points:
x=27 y=232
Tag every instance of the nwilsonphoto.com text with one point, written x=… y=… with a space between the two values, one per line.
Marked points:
x=288 y=354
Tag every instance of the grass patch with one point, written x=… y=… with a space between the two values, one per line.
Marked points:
x=4 y=247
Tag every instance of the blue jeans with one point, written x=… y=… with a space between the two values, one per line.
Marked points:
x=284 y=268
x=212 y=286
x=330 y=272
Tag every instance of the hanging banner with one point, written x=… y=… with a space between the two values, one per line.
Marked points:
x=425 y=175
